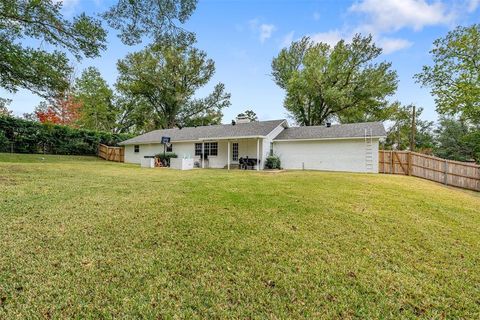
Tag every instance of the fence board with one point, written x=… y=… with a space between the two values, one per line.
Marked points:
x=111 y=153
x=454 y=173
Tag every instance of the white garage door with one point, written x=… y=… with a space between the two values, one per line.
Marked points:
x=331 y=155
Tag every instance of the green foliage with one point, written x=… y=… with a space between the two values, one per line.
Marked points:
x=252 y=116
x=34 y=69
x=454 y=78
x=208 y=117
x=24 y=136
x=4 y=107
x=272 y=162
x=151 y=18
x=4 y=142
x=165 y=157
x=341 y=83
x=44 y=72
x=97 y=111
x=164 y=79
x=400 y=133
x=457 y=141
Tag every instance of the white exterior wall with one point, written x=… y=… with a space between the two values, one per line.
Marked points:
x=330 y=155
x=145 y=150
x=246 y=147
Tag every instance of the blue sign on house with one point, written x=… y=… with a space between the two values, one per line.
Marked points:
x=165 y=140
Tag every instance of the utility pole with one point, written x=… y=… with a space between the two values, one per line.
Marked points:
x=414 y=127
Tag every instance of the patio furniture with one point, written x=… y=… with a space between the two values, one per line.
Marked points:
x=247 y=163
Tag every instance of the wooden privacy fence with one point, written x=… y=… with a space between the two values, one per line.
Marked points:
x=454 y=173
x=111 y=153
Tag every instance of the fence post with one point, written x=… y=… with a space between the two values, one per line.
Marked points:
x=445 y=175
x=383 y=162
x=409 y=158
x=392 y=163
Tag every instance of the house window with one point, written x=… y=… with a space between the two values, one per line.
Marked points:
x=198 y=149
x=136 y=148
x=235 y=152
x=169 y=147
x=211 y=149
x=271 y=149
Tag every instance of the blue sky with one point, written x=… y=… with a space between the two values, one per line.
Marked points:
x=242 y=37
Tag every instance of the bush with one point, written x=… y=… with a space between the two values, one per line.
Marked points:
x=165 y=158
x=23 y=136
x=272 y=162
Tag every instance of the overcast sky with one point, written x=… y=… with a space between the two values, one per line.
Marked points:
x=243 y=36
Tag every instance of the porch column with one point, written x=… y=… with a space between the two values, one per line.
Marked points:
x=258 y=154
x=228 y=154
x=203 y=154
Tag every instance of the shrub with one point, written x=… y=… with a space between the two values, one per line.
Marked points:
x=165 y=158
x=23 y=136
x=272 y=162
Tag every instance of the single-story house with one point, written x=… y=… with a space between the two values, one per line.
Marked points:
x=342 y=147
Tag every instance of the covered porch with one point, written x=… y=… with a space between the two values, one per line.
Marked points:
x=231 y=153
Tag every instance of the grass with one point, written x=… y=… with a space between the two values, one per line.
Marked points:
x=84 y=238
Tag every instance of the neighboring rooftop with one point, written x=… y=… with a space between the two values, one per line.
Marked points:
x=351 y=130
x=250 y=129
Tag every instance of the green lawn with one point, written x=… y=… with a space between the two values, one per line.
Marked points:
x=85 y=238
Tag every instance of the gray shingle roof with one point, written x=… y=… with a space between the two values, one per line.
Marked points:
x=251 y=129
x=352 y=130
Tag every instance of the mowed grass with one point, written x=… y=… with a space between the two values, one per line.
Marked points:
x=85 y=238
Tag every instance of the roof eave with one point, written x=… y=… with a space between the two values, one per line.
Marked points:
x=194 y=140
x=334 y=138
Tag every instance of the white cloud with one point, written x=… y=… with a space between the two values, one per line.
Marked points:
x=266 y=31
x=384 y=17
x=472 y=5
x=390 y=45
x=393 y=15
x=329 y=37
x=287 y=39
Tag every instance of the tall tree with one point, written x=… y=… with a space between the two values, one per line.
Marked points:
x=399 y=134
x=252 y=116
x=457 y=140
x=64 y=110
x=341 y=83
x=35 y=69
x=97 y=111
x=166 y=78
x=454 y=78
x=46 y=72
x=4 y=107
x=152 y=18
x=134 y=114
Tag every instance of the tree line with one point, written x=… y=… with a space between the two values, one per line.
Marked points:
x=156 y=86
